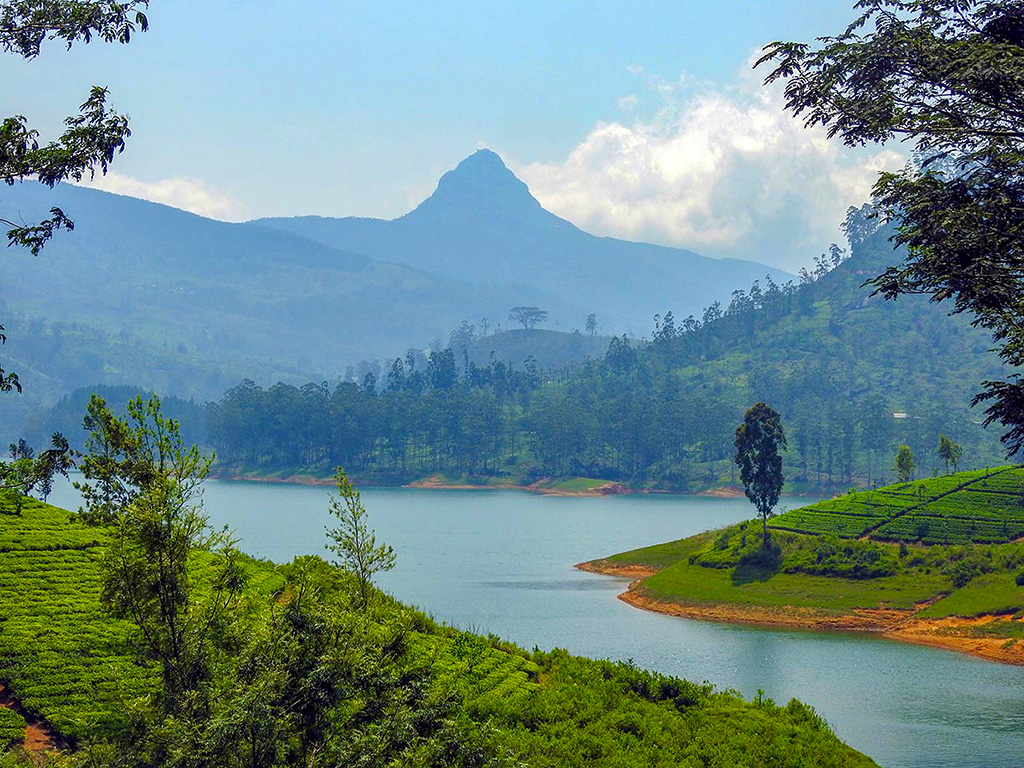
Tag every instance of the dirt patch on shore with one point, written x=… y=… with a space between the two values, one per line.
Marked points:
x=436 y=482
x=723 y=492
x=966 y=635
x=635 y=572
x=977 y=636
x=877 y=620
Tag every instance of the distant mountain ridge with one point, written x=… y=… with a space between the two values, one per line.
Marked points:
x=482 y=223
x=145 y=294
x=166 y=299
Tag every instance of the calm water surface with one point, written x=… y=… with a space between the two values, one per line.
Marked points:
x=501 y=562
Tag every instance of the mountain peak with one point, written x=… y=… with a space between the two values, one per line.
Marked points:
x=479 y=186
x=485 y=161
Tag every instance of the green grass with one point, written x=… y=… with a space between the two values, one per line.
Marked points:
x=695 y=585
x=577 y=484
x=988 y=593
x=660 y=555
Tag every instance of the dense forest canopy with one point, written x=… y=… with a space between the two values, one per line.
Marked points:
x=852 y=375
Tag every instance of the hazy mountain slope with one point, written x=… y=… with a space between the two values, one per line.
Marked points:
x=267 y=303
x=549 y=349
x=853 y=377
x=482 y=223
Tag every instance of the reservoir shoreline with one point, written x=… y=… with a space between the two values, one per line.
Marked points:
x=888 y=623
x=609 y=488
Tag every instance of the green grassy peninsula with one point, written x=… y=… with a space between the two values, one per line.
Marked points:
x=937 y=562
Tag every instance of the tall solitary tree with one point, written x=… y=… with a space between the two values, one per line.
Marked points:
x=904 y=466
x=946 y=76
x=758 y=441
x=950 y=453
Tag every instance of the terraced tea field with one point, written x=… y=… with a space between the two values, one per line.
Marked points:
x=489 y=676
x=63 y=658
x=985 y=506
x=61 y=654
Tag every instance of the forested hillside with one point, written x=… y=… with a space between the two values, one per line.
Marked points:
x=150 y=295
x=55 y=358
x=853 y=376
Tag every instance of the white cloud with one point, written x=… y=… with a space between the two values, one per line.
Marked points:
x=189 y=194
x=726 y=172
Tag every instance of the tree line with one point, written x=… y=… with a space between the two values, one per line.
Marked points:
x=852 y=377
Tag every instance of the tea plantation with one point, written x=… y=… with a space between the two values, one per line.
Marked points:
x=985 y=506
x=65 y=660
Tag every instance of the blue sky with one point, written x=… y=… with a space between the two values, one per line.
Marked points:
x=277 y=108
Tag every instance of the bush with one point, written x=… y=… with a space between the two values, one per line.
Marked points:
x=963 y=572
x=1020 y=579
x=851 y=559
x=766 y=558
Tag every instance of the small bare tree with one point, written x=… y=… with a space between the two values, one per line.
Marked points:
x=355 y=543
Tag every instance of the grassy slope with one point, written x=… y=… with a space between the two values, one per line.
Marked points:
x=69 y=662
x=992 y=513
x=679 y=581
x=711 y=586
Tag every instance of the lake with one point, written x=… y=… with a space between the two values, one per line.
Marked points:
x=502 y=562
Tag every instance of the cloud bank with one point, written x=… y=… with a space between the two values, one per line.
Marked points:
x=722 y=172
x=188 y=194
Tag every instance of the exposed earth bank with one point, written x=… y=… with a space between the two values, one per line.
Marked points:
x=436 y=482
x=952 y=633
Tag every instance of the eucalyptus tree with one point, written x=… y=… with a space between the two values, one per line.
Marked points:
x=904 y=465
x=758 y=441
x=951 y=453
x=353 y=541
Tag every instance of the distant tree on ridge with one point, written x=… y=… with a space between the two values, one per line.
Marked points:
x=528 y=316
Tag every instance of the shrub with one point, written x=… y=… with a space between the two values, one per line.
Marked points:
x=964 y=571
x=767 y=558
